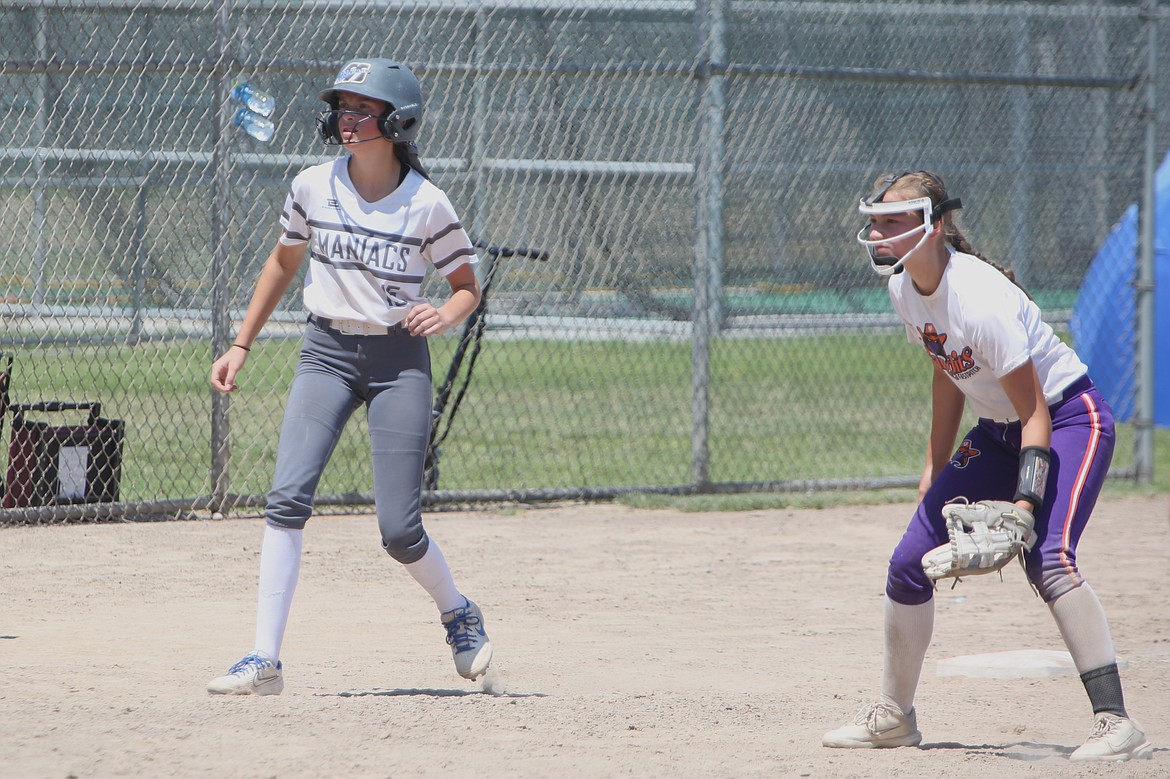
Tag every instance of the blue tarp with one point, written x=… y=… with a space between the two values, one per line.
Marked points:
x=1104 y=321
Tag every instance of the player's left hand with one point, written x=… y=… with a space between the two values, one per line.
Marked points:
x=424 y=319
x=984 y=537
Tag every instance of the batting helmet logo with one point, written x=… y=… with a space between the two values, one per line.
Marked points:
x=352 y=73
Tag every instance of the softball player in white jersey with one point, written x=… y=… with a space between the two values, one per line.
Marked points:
x=1044 y=441
x=371 y=222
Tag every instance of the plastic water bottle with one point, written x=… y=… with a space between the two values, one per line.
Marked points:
x=257 y=101
x=254 y=125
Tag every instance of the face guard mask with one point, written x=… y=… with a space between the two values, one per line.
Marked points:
x=888 y=266
x=329 y=126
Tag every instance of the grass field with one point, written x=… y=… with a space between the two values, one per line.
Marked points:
x=541 y=414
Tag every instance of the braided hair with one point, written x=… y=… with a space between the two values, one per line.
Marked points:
x=924 y=183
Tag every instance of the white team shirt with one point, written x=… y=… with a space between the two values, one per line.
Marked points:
x=368 y=260
x=978 y=327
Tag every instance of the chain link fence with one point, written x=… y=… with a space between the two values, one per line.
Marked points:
x=665 y=198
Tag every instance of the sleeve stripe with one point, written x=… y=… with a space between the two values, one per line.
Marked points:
x=464 y=252
x=440 y=234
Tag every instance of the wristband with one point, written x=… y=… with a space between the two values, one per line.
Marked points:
x=241 y=346
x=1034 y=465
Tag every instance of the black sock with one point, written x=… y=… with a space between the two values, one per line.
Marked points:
x=1104 y=688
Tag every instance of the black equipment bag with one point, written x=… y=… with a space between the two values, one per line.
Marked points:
x=63 y=464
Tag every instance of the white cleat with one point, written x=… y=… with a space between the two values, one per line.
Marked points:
x=1112 y=740
x=876 y=726
x=468 y=639
x=254 y=675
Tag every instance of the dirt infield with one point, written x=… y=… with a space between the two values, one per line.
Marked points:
x=628 y=643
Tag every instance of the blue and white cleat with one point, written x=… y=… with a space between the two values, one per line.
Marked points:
x=256 y=674
x=469 y=641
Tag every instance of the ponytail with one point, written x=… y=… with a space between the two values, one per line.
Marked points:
x=407 y=154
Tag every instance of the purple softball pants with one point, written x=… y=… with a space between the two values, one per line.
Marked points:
x=986 y=467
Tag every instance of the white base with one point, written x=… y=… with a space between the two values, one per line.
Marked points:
x=1015 y=664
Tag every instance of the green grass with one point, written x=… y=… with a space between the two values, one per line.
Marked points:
x=549 y=415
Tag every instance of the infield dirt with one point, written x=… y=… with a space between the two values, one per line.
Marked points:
x=628 y=643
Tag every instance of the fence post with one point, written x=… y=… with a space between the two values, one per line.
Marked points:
x=220 y=226
x=1144 y=286
x=138 y=269
x=41 y=123
x=706 y=317
x=1022 y=245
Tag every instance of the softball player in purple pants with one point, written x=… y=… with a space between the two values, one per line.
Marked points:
x=1044 y=440
x=372 y=223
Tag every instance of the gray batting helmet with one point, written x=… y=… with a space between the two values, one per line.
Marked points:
x=381 y=79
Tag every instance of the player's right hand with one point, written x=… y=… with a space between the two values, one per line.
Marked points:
x=224 y=370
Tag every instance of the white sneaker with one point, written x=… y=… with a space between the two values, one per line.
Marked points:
x=1114 y=739
x=877 y=725
x=254 y=675
x=469 y=642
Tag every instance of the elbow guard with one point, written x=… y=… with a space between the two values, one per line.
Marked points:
x=1034 y=465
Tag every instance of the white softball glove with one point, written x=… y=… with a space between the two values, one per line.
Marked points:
x=985 y=536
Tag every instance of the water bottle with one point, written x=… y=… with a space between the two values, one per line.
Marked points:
x=256 y=100
x=254 y=125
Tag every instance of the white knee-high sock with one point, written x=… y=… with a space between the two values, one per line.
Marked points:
x=1081 y=620
x=908 y=633
x=432 y=573
x=280 y=567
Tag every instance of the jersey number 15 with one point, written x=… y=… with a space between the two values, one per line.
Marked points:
x=393 y=295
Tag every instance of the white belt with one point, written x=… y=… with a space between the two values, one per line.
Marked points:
x=353 y=326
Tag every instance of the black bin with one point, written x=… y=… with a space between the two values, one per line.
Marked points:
x=63 y=464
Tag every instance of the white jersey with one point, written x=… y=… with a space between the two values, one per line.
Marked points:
x=978 y=327
x=368 y=260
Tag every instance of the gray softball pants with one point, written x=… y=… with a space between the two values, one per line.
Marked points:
x=391 y=375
